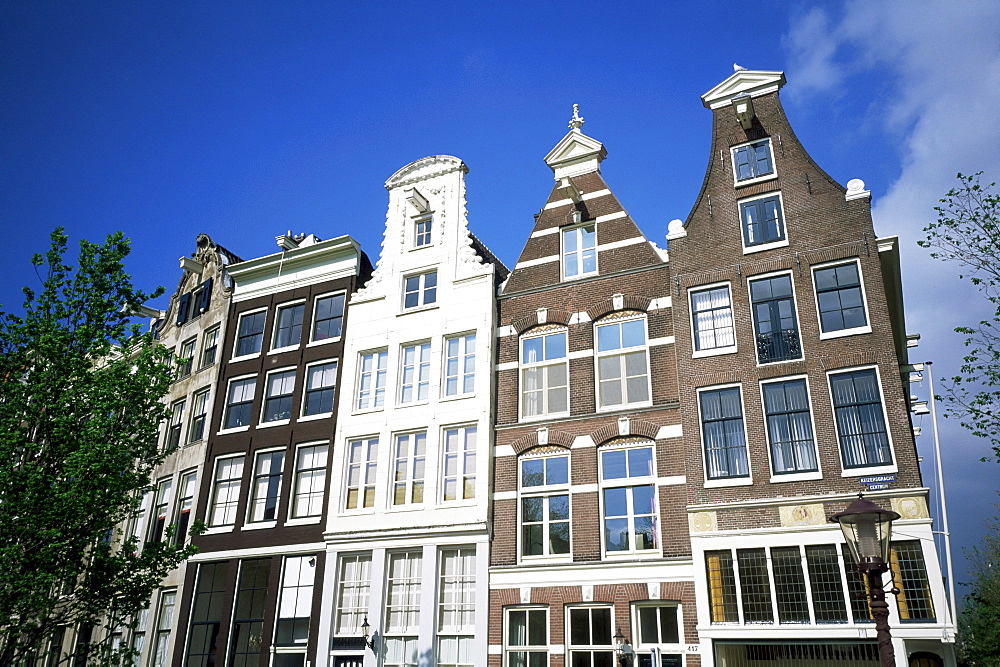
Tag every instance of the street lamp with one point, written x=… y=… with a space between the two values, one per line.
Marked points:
x=867 y=528
x=622 y=648
x=365 y=631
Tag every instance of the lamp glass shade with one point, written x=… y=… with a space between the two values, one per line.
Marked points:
x=867 y=529
x=365 y=628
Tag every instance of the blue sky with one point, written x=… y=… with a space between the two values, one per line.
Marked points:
x=246 y=120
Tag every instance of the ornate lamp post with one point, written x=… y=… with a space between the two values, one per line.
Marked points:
x=867 y=528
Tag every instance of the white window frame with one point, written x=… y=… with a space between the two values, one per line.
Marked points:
x=210 y=341
x=408 y=591
x=264 y=421
x=543 y=366
x=202 y=396
x=579 y=252
x=253 y=498
x=235 y=485
x=868 y=470
x=620 y=353
x=176 y=426
x=462 y=360
x=227 y=404
x=546 y=492
x=282 y=307
x=419 y=220
x=795 y=308
x=159 y=650
x=723 y=481
x=159 y=517
x=712 y=351
x=313 y=321
x=464 y=473
x=758 y=247
x=236 y=336
x=753 y=179
x=188 y=366
x=418 y=373
x=298 y=602
x=658 y=648
x=462 y=597
x=372 y=397
x=776 y=477
x=853 y=331
x=409 y=469
x=423 y=291
x=367 y=473
x=511 y=649
x=588 y=648
x=354 y=594
x=317 y=478
x=306 y=390
x=629 y=482
x=186 y=500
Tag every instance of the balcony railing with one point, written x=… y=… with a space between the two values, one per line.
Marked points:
x=781 y=345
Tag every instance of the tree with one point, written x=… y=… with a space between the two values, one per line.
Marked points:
x=967 y=231
x=979 y=625
x=80 y=410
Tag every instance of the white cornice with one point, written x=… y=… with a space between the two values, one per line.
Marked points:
x=749 y=82
x=575 y=154
x=424 y=168
x=334 y=258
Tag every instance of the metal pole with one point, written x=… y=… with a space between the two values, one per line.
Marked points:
x=944 y=507
x=880 y=612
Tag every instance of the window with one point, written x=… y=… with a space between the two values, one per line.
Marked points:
x=914 y=599
x=140 y=517
x=420 y=290
x=590 y=642
x=544 y=374
x=460 y=365
x=629 y=500
x=774 y=322
x=408 y=468
x=239 y=402
x=421 y=232
x=857 y=408
x=753 y=160
x=755 y=587
x=840 y=299
x=310 y=480
x=762 y=221
x=416 y=372
x=164 y=625
x=278 y=400
x=266 y=486
x=298 y=575
x=371 y=380
x=545 y=515
x=176 y=424
x=622 y=363
x=185 y=358
x=527 y=638
x=206 y=614
x=328 y=317
x=790 y=595
x=185 y=503
x=138 y=639
x=459 y=479
x=247 y=632
x=226 y=491
x=658 y=624
x=579 y=251
x=352 y=593
x=321 y=381
x=361 y=462
x=402 y=609
x=825 y=584
x=456 y=607
x=789 y=427
x=210 y=347
x=288 y=330
x=199 y=413
x=712 y=319
x=250 y=333
x=161 y=508
x=723 y=434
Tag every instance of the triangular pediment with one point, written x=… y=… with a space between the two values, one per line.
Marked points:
x=575 y=154
x=749 y=82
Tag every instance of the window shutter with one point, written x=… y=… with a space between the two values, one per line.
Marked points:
x=182 y=308
x=206 y=296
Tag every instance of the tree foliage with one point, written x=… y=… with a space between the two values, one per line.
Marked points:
x=967 y=231
x=80 y=410
x=979 y=625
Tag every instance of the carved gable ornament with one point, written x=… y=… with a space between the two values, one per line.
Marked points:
x=750 y=82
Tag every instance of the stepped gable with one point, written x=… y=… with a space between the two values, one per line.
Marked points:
x=580 y=197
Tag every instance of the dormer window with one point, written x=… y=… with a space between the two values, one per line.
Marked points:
x=579 y=251
x=752 y=161
x=422 y=232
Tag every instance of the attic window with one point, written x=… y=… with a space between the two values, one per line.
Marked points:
x=579 y=251
x=752 y=161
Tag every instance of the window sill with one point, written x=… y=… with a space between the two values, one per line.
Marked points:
x=632 y=555
x=845 y=332
x=581 y=276
x=714 y=352
x=410 y=404
x=559 y=558
x=276 y=422
x=537 y=418
x=458 y=397
x=765 y=246
x=735 y=481
x=323 y=341
x=318 y=415
x=408 y=507
x=870 y=470
x=304 y=521
x=364 y=411
x=418 y=309
x=796 y=477
x=783 y=361
x=756 y=179
x=235 y=429
x=218 y=530
x=281 y=350
x=259 y=525
x=245 y=357
x=624 y=406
